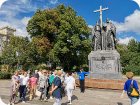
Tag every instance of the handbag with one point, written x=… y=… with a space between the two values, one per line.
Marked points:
x=132 y=91
x=38 y=93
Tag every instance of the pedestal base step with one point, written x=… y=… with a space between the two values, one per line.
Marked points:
x=104 y=84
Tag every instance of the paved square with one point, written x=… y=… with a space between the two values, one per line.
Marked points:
x=90 y=97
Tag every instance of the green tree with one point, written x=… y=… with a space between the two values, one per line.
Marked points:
x=67 y=33
x=130 y=56
x=40 y=49
x=17 y=51
x=133 y=45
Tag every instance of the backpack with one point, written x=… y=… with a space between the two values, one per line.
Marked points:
x=132 y=91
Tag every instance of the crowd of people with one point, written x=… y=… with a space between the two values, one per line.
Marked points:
x=55 y=84
x=44 y=84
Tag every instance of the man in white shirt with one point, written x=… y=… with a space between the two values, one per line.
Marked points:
x=23 y=86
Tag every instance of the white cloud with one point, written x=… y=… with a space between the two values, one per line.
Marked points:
x=25 y=20
x=125 y=40
x=53 y=1
x=11 y=10
x=131 y=23
x=2 y=2
x=90 y=26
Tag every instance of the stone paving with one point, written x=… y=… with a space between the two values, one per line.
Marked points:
x=90 y=97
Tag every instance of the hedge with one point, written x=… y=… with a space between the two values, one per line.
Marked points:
x=5 y=75
x=134 y=68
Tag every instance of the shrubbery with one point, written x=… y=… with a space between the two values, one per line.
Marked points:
x=134 y=68
x=5 y=75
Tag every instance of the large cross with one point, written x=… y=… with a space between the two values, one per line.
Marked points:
x=101 y=18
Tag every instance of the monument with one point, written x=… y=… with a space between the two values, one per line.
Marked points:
x=104 y=60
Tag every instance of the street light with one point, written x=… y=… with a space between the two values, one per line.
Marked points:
x=17 y=55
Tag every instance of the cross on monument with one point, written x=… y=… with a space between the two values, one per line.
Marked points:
x=101 y=17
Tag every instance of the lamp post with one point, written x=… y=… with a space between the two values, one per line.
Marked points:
x=17 y=55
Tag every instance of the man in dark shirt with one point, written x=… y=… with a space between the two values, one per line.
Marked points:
x=56 y=88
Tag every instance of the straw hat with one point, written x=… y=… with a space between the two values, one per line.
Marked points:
x=129 y=75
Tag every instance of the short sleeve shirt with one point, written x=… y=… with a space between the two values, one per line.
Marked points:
x=33 y=81
x=57 y=92
x=128 y=83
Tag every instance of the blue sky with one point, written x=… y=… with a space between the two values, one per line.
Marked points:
x=125 y=14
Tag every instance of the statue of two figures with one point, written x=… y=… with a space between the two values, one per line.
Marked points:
x=104 y=37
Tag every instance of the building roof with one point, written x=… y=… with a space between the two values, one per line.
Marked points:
x=7 y=27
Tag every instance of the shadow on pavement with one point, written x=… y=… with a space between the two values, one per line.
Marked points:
x=119 y=103
x=74 y=98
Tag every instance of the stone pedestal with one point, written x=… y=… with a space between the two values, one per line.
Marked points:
x=105 y=64
x=103 y=84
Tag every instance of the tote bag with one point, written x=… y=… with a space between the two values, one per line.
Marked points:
x=132 y=91
x=38 y=93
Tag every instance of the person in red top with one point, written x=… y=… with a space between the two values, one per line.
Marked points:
x=32 y=86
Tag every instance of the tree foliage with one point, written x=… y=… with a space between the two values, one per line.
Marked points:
x=17 y=51
x=67 y=33
x=130 y=56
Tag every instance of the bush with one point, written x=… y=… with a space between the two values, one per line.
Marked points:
x=85 y=67
x=133 y=68
x=5 y=75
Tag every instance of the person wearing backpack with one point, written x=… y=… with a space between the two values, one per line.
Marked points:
x=131 y=88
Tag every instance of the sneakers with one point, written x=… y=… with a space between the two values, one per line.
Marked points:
x=23 y=101
x=10 y=104
x=45 y=99
x=69 y=102
x=51 y=97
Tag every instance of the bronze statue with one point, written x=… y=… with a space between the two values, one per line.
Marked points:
x=104 y=38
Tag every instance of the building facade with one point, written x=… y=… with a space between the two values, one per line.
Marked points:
x=5 y=34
